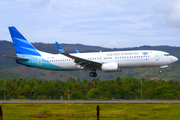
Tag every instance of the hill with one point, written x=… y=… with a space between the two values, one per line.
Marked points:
x=9 y=69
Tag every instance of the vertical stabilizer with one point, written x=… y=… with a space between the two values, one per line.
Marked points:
x=22 y=47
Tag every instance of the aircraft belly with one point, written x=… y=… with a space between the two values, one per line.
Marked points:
x=158 y=63
x=135 y=63
x=145 y=63
x=50 y=66
x=128 y=64
x=68 y=65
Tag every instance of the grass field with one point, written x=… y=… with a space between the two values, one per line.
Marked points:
x=88 y=111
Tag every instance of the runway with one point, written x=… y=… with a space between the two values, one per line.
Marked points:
x=91 y=101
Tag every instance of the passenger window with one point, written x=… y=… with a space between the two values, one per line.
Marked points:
x=166 y=54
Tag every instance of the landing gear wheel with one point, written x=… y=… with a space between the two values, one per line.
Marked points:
x=160 y=71
x=93 y=73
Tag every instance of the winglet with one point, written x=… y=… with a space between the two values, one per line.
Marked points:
x=60 y=49
x=76 y=51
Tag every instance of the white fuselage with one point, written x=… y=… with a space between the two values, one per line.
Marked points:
x=125 y=59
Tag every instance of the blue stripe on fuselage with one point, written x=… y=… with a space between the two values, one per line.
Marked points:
x=33 y=62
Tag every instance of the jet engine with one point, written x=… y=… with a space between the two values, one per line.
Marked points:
x=110 y=67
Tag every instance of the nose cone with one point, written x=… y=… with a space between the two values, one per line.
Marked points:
x=174 y=59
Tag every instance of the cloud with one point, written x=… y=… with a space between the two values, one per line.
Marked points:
x=135 y=26
x=110 y=23
x=77 y=8
x=170 y=11
x=114 y=23
x=112 y=44
x=38 y=3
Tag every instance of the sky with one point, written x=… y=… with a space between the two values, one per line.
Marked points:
x=105 y=23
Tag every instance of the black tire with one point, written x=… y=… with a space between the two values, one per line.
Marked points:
x=91 y=74
x=95 y=75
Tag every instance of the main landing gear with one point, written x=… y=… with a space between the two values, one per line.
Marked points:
x=93 y=73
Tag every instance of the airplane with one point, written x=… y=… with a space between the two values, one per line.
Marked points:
x=113 y=61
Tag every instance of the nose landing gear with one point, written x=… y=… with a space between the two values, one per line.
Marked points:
x=160 y=71
x=93 y=73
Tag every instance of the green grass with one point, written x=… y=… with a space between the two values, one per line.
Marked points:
x=88 y=111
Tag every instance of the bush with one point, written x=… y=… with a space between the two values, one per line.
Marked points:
x=161 y=107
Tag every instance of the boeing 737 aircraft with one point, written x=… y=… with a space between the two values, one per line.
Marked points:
x=106 y=61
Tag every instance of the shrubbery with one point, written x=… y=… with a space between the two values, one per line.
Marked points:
x=121 y=88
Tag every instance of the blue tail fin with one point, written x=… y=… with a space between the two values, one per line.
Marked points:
x=60 y=49
x=21 y=45
x=76 y=51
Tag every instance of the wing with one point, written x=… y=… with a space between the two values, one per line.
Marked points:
x=84 y=63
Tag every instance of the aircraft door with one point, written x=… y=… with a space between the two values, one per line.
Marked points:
x=103 y=58
x=157 y=56
x=39 y=61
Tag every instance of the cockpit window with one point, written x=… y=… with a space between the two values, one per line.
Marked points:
x=166 y=54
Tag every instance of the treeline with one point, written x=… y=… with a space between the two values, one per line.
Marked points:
x=120 y=88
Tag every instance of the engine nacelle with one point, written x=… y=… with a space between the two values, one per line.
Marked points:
x=110 y=67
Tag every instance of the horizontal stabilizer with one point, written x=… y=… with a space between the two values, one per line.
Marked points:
x=16 y=58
